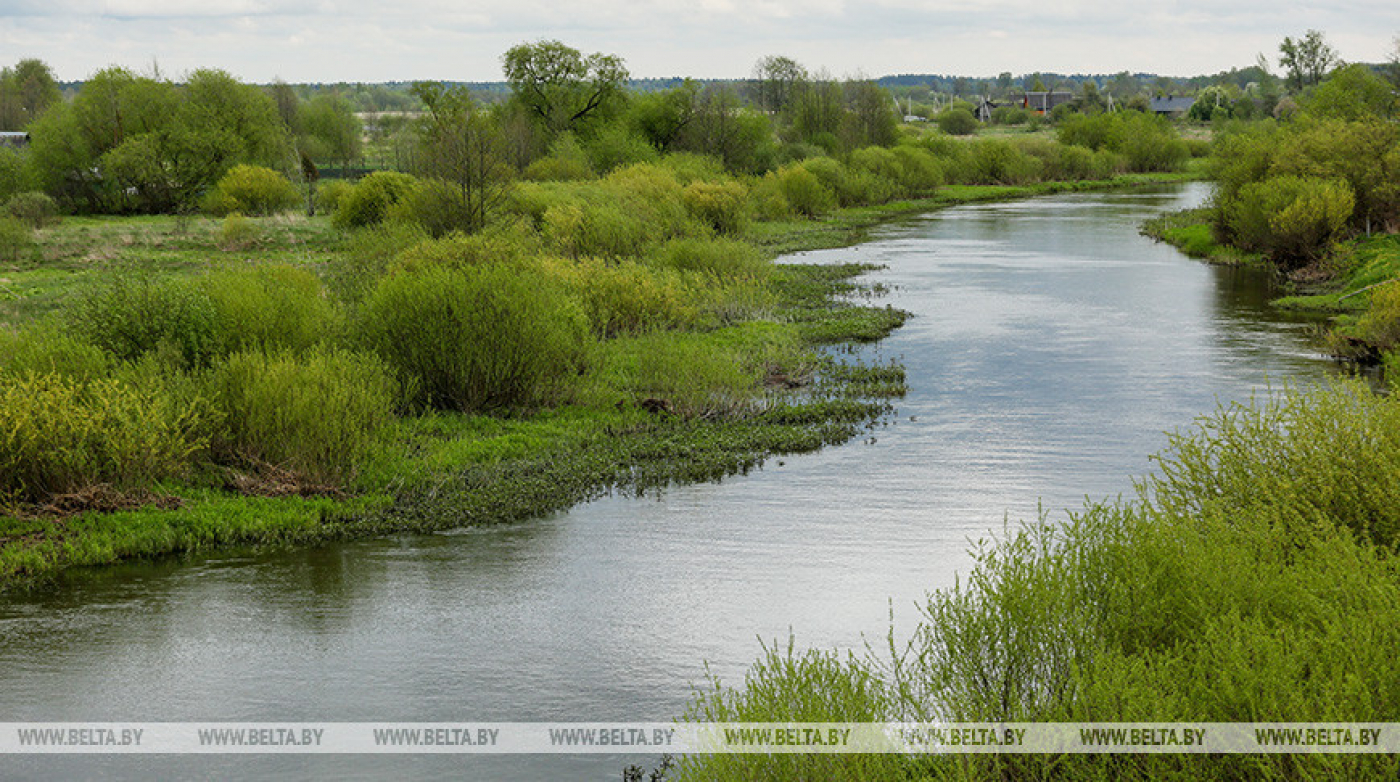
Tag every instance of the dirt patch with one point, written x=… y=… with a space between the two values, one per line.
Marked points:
x=100 y=498
x=269 y=480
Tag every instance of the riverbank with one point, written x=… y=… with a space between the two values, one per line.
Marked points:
x=443 y=470
x=1352 y=285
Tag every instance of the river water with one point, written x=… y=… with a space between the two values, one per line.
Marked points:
x=1051 y=348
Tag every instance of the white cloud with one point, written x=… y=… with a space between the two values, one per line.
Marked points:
x=328 y=40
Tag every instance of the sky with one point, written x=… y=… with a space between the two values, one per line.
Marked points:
x=463 y=40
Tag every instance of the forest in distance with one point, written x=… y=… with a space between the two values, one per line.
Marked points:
x=237 y=314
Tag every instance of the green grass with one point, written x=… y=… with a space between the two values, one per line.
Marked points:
x=1253 y=579
x=79 y=251
x=650 y=408
x=441 y=469
x=1190 y=232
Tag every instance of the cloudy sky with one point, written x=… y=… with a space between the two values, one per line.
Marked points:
x=400 y=40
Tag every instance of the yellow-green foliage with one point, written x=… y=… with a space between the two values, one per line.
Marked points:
x=16 y=240
x=45 y=348
x=713 y=374
x=1290 y=218
x=34 y=209
x=131 y=316
x=252 y=190
x=371 y=199
x=329 y=194
x=267 y=306
x=655 y=193
x=316 y=413
x=1379 y=326
x=59 y=434
x=567 y=161
x=237 y=232
x=719 y=258
x=804 y=192
x=1253 y=580
x=509 y=245
x=721 y=205
x=688 y=167
x=627 y=297
x=852 y=186
x=477 y=337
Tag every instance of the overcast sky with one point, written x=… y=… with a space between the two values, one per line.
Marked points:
x=405 y=40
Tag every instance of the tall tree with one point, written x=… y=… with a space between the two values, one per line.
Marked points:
x=815 y=112
x=465 y=148
x=662 y=117
x=775 y=82
x=330 y=129
x=1307 y=60
x=26 y=90
x=870 y=117
x=560 y=87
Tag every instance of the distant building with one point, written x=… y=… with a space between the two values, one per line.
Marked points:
x=984 y=110
x=14 y=140
x=1045 y=102
x=1172 y=105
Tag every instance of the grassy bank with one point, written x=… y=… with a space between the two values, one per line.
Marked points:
x=652 y=406
x=1252 y=579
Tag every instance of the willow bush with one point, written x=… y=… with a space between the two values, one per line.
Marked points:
x=478 y=337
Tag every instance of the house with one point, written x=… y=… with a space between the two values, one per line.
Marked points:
x=14 y=140
x=1045 y=102
x=1172 y=105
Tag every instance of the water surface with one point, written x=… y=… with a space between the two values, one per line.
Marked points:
x=1051 y=348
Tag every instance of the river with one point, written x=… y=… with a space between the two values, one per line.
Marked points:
x=1050 y=349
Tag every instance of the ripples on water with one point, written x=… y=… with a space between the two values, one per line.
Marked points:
x=1052 y=347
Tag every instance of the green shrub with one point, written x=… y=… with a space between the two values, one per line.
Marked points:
x=654 y=193
x=804 y=192
x=558 y=169
x=267 y=307
x=688 y=167
x=371 y=251
x=615 y=146
x=478 y=337
x=253 y=190
x=34 y=209
x=130 y=316
x=957 y=121
x=372 y=197
x=920 y=175
x=316 y=414
x=238 y=232
x=15 y=177
x=46 y=348
x=1379 y=326
x=330 y=193
x=60 y=434
x=509 y=246
x=567 y=161
x=1010 y=115
x=999 y=162
x=628 y=297
x=1149 y=143
x=1292 y=219
x=436 y=205
x=599 y=226
x=16 y=240
x=722 y=258
x=721 y=205
x=1090 y=131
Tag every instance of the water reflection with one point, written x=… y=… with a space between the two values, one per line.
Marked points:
x=1052 y=347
